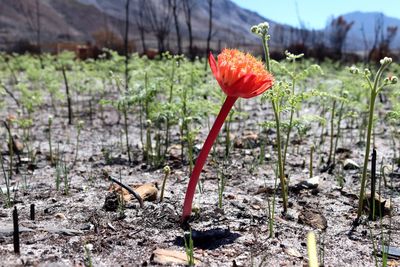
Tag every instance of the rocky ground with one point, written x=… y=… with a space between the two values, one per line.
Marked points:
x=89 y=224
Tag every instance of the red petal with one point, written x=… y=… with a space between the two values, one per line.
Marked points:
x=213 y=66
x=244 y=86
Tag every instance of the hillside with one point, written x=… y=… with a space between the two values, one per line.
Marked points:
x=79 y=20
x=86 y=21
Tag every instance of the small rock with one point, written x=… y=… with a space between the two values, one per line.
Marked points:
x=111 y=226
x=111 y=202
x=313 y=219
x=384 y=204
x=60 y=216
x=263 y=190
x=350 y=165
x=106 y=171
x=293 y=252
x=238 y=205
x=341 y=150
x=248 y=140
x=175 y=152
x=311 y=183
x=147 y=192
x=25 y=160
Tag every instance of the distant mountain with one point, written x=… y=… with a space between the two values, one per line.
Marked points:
x=80 y=20
x=88 y=20
x=368 y=21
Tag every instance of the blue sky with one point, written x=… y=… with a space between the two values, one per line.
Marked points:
x=315 y=13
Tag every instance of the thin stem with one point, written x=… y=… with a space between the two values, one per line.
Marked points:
x=128 y=149
x=70 y=115
x=332 y=132
x=201 y=160
x=366 y=156
x=266 y=53
x=278 y=132
x=374 y=92
x=167 y=171
x=291 y=113
x=50 y=146
x=338 y=131
x=311 y=161
x=280 y=161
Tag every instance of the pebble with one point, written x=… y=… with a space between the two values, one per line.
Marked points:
x=350 y=164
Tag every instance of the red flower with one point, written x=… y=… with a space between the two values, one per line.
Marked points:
x=240 y=74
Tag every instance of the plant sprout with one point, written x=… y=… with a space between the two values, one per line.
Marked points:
x=375 y=86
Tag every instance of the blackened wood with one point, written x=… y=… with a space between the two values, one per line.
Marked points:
x=16 y=231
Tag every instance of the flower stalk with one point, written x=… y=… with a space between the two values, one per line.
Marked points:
x=375 y=88
x=201 y=160
x=262 y=31
x=239 y=75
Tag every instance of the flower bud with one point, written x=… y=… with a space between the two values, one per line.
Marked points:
x=367 y=72
x=261 y=29
x=148 y=123
x=393 y=79
x=167 y=169
x=386 y=81
x=80 y=124
x=354 y=70
x=386 y=60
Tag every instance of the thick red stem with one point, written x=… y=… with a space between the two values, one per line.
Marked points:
x=201 y=160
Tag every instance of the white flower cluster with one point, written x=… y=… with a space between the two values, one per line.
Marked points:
x=261 y=29
x=386 y=60
x=354 y=70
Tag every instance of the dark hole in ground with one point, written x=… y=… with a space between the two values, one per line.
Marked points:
x=208 y=239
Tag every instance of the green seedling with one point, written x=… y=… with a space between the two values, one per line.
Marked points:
x=167 y=171
x=375 y=86
x=189 y=248
x=79 y=129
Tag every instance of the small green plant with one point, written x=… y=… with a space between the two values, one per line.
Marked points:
x=79 y=129
x=65 y=173
x=271 y=207
x=50 y=122
x=167 y=171
x=6 y=195
x=262 y=30
x=393 y=118
x=62 y=173
x=189 y=248
x=121 y=206
x=311 y=168
x=375 y=86
x=11 y=145
x=88 y=254
x=228 y=134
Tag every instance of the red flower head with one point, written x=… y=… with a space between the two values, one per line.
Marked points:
x=240 y=74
